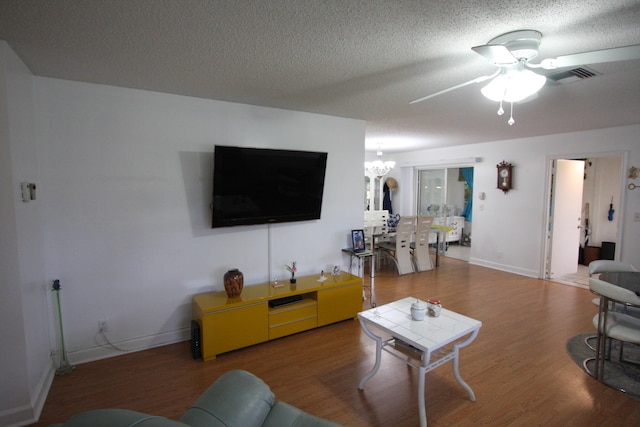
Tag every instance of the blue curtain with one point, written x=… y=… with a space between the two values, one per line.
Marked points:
x=467 y=173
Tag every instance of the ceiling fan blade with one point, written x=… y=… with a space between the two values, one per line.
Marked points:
x=496 y=54
x=625 y=53
x=476 y=80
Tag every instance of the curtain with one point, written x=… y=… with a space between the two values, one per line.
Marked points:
x=467 y=173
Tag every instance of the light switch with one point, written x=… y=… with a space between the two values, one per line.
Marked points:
x=28 y=190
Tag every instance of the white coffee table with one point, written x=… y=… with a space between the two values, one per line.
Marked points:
x=424 y=344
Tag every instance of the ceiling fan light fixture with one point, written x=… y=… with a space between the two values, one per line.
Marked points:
x=522 y=44
x=513 y=86
x=512 y=53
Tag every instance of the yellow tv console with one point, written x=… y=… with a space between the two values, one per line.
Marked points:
x=264 y=312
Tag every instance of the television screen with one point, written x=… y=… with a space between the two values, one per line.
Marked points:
x=261 y=186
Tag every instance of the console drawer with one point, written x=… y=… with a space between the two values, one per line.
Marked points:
x=293 y=327
x=290 y=313
x=293 y=318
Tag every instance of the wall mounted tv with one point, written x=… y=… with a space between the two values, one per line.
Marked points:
x=263 y=186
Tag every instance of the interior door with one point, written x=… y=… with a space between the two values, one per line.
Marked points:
x=566 y=208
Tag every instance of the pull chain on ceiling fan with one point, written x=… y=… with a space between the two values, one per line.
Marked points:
x=512 y=53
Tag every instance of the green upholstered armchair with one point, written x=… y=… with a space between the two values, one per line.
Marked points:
x=236 y=399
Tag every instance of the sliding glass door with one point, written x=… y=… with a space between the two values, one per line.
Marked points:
x=447 y=194
x=432 y=191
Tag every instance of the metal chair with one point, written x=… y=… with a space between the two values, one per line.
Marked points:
x=420 y=247
x=400 y=249
x=612 y=324
x=603 y=266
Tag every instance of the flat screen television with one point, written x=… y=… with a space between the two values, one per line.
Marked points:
x=263 y=186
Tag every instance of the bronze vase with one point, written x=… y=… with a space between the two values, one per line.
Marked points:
x=233 y=282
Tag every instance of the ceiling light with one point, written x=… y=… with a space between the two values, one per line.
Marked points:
x=378 y=167
x=513 y=85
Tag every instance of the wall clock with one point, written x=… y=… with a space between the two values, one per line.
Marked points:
x=505 y=176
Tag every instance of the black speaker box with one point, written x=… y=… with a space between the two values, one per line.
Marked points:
x=195 y=340
x=608 y=250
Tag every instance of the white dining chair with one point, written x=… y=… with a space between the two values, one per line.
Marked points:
x=376 y=229
x=420 y=247
x=400 y=249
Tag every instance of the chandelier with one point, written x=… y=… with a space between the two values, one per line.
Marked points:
x=378 y=167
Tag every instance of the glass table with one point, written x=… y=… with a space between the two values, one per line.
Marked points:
x=361 y=256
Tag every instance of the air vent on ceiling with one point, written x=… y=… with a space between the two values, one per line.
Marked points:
x=573 y=75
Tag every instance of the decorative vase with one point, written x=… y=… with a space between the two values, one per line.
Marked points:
x=233 y=282
x=292 y=280
x=418 y=310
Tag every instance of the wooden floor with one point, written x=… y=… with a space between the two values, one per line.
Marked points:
x=518 y=366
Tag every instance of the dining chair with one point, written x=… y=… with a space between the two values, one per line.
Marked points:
x=603 y=266
x=380 y=218
x=376 y=229
x=420 y=247
x=400 y=248
x=612 y=325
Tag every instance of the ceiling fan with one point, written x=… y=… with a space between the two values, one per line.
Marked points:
x=514 y=80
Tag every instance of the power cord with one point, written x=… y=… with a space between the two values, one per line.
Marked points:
x=101 y=333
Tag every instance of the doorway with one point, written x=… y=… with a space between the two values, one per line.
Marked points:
x=579 y=227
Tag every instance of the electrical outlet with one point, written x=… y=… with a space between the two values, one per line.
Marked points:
x=636 y=217
x=102 y=326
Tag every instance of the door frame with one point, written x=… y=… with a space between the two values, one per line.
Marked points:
x=547 y=233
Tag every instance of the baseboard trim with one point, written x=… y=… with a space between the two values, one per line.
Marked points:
x=503 y=267
x=105 y=351
x=20 y=416
x=29 y=414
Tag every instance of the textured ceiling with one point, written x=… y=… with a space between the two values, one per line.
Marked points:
x=358 y=59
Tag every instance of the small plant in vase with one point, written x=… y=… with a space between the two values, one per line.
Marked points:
x=292 y=269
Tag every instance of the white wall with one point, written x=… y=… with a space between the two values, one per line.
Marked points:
x=25 y=367
x=127 y=178
x=508 y=229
